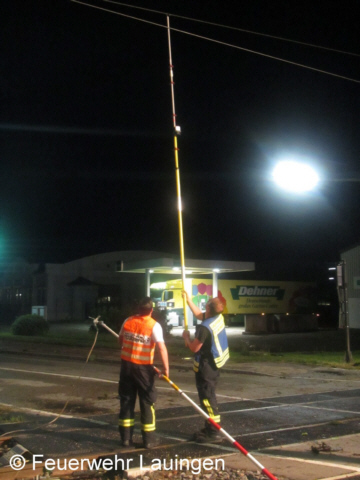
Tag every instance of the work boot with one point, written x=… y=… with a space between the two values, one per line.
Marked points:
x=213 y=437
x=207 y=435
x=196 y=434
x=148 y=439
x=126 y=434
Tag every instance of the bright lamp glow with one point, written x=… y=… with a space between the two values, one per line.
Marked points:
x=295 y=176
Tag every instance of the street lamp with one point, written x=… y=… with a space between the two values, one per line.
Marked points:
x=295 y=176
x=299 y=177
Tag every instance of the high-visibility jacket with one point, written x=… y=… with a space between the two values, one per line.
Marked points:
x=138 y=346
x=219 y=342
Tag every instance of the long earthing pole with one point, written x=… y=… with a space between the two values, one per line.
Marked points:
x=201 y=411
x=177 y=172
x=218 y=427
x=100 y=322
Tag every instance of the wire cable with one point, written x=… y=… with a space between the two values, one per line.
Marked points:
x=236 y=29
x=318 y=70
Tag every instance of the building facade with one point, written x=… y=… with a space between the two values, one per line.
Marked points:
x=73 y=290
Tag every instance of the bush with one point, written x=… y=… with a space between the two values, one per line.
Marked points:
x=30 y=325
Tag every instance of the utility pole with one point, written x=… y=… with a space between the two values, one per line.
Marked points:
x=343 y=303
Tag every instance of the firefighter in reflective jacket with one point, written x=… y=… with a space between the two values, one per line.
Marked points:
x=211 y=350
x=139 y=335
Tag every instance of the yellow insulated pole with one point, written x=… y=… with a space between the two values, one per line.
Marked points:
x=177 y=172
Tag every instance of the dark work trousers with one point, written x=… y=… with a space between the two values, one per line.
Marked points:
x=136 y=380
x=206 y=381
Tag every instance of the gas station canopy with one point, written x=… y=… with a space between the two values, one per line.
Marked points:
x=169 y=265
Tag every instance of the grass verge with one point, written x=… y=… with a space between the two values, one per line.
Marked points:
x=7 y=416
x=177 y=351
x=328 y=359
x=76 y=339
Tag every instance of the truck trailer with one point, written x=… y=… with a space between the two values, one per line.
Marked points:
x=246 y=302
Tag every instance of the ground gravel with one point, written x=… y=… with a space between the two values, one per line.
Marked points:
x=226 y=474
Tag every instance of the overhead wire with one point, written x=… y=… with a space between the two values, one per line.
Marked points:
x=272 y=57
x=235 y=28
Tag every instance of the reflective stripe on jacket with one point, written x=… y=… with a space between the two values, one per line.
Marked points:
x=219 y=342
x=137 y=344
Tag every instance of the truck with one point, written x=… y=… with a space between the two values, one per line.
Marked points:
x=244 y=301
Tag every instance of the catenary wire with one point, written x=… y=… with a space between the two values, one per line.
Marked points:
x=235 y=28
x=221 y=43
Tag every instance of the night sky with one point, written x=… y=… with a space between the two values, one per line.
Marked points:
x=86 y=152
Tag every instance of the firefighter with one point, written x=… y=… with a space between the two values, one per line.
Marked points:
x=138 y=337
x=211 y=350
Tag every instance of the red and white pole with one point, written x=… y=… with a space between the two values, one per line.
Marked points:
x=218 y=427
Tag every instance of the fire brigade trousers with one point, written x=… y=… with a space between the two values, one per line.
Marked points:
x=136 y=380
x=206 y=381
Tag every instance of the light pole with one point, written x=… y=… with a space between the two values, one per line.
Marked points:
x=341 y=278
x=299 y=177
